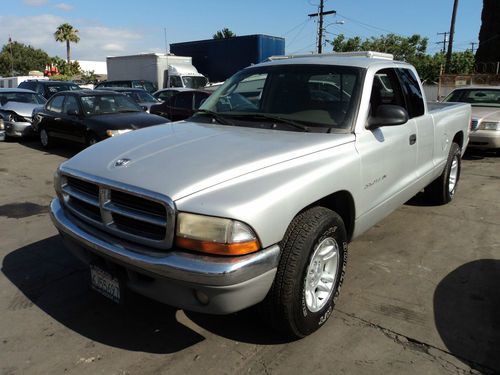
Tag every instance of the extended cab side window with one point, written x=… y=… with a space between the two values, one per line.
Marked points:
x=386 y=90
x=184 y=100
x=412 y=91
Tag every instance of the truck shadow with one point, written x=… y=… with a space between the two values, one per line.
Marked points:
x=467 y=314
x=57 y=283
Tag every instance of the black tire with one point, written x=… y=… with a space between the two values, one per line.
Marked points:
x=439 y=191
x=45 y=139
x=286 y=306
x=91 y=139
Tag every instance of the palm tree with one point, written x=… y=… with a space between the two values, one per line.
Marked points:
x=224 y=34
x=67 y=33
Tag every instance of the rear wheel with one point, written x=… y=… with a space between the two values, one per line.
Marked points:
x=310 y=273
x=443 y=189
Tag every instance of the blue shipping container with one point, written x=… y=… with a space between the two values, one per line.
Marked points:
x=218 y=59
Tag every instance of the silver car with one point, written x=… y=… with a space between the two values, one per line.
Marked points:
x=485 y=125
x=16 y=108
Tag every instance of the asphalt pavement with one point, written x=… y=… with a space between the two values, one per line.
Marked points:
x=421 y=295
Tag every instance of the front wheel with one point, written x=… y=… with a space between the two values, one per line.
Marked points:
x=91 y=139
x=310 y=273
x=45 y=139
x=443 y=189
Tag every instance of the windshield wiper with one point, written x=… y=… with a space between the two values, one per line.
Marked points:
x=282 y=120
x=215 y=116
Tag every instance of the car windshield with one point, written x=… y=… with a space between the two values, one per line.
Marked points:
x=21 y=97
x=312 y=95
x=107 y=104
x=141 y=96
x=194 y=82
x=476 y=97
x=56 y=87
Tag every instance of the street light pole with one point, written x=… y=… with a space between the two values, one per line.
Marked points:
x=452 y=32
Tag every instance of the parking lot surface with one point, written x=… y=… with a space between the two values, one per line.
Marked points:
x=421 y=295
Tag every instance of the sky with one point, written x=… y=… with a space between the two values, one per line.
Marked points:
x=114 y=27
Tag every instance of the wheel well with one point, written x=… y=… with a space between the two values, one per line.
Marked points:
x=342 y=203
x=459 y=139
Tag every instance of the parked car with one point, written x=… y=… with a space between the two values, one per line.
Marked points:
x=16 y=107
x=88 y=117
x=136 y=84
x=485 y=126
x=165 y=94
x=255 y=198
x=181 y=105
x=140 y=96
x=47 y=88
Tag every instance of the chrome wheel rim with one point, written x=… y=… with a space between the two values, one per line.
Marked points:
x=322 y=274
x=453 y=178
x=44 y=137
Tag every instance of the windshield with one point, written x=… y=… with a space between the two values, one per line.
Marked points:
x=313 y=95
x=141 y=96
x=194 y=82
x=106 y=104
x=476 y=97
x=21 y=97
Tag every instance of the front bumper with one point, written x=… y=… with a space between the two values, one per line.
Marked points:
x=176 y=277
x=2 y=135
x=18 y=129
x=484 y=139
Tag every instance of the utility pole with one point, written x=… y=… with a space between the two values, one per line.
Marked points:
x=166 y=45
x=321 y=13
x=452 y=32
x=445 y=40
x=472 y=46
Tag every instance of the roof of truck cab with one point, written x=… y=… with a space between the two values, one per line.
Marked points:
x=358 y=62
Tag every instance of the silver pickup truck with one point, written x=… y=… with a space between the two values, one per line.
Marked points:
x=255 y=198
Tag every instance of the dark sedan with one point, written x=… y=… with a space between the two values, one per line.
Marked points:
x=181 y=105
x=90 y=116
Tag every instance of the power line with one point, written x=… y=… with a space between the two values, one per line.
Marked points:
x=366 y=24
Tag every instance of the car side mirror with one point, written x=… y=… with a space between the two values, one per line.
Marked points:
x=388 y=115
x=72 y=112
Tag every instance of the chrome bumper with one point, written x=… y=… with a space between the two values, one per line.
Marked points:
x=231 y=283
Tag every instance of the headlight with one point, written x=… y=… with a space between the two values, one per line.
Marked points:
x=490 y=126
x=2 y=125
x=215 y=235
x=112 y=133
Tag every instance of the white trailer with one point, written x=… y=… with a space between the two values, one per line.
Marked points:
x=163 y=70
x=13 y=82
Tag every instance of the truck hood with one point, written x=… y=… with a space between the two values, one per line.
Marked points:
x=486 y=113
x=183 y=158
x=22 y=109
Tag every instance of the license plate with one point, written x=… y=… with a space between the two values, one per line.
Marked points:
x=105 y=283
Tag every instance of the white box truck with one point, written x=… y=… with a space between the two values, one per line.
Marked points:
x=161 y=69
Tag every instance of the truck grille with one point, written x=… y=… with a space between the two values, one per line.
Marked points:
x=123 y=211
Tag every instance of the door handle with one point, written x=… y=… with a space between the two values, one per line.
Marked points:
x=413 y=139
x=57 y=119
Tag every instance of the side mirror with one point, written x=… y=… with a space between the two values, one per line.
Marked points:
x=388 y=115
x=73 y=112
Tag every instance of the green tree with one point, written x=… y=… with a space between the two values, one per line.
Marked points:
x=25 y=58
x=223 y=34
x=67 y=33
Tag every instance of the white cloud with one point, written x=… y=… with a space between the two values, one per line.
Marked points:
x=35 y=3
x=96 y=42
x=64 y=6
